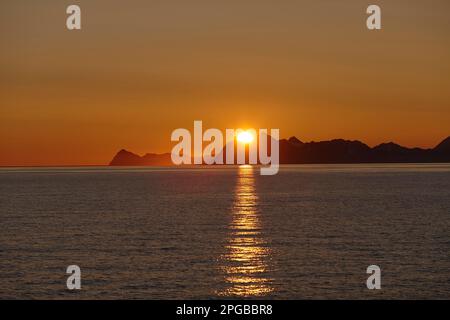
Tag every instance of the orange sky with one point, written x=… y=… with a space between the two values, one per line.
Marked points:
x=139 y=69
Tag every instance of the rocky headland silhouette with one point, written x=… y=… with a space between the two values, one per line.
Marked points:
x=294 y=151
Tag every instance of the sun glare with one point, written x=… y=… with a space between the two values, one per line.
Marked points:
x=245 y=137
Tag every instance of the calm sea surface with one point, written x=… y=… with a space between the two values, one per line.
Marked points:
x=156 y=233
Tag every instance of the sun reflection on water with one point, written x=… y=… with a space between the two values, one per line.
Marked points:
x=245 y=263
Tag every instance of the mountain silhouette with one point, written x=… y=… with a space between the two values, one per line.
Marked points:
x=294 y=151
x=126 y=158
x=443 y=147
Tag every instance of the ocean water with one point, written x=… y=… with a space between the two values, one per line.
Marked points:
x=309 y=232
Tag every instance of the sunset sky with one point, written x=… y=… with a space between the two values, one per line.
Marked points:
x=139 y=69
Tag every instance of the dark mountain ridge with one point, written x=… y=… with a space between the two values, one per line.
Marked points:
x=294 y=151
x=126 y=158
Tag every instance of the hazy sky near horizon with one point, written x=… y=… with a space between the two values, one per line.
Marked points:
x=139 y=69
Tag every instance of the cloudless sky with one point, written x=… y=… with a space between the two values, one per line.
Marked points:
x=139 y=69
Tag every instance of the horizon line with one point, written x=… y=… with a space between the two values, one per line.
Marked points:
x=106 y=164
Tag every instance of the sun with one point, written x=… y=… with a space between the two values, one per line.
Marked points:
x=244 y=137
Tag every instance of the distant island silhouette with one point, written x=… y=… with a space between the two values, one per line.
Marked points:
x=294 y=151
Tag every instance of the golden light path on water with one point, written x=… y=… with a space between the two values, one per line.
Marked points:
x=245 y=261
